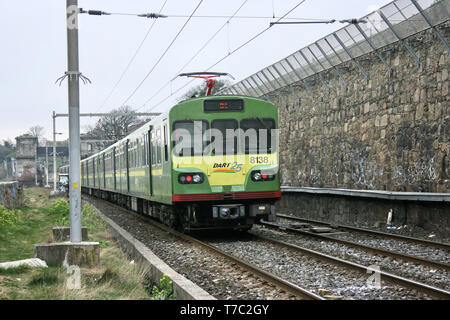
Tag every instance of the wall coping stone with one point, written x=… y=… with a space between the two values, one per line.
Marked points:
x=378 y=194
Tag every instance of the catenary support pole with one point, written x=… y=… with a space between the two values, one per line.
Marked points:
x=74 y=121
x=46 y=165
x=54 y=154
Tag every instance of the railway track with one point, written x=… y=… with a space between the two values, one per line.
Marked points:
x=366 y=248
x=373 y=233
x=291 y=286
x=283 y=285
x=389 y=277
x=316 y=270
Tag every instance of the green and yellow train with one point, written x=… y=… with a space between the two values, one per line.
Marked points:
x=194 y=184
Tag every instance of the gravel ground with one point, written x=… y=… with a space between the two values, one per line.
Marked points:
x=309 y=272
x=215 y=274
x=418 y=250
x=435 y=277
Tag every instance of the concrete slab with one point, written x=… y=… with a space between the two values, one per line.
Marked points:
x=33 y=263
x=63 y=254
x=61 y=234
x=321 y=229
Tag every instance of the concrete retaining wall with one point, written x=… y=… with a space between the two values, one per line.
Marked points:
x=363 y=211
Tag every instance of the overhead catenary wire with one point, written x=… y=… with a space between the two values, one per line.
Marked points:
x=159 y=15
x=232 y=52
x=162 y=56
x=197 y=53
x=132 y=59
x=255 y=36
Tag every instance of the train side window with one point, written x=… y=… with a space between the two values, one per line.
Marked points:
x=141 y=153
x=130 y=155
x=144 y=150
x=138 y=154
x=117 y=155
x=134 y=154
x=124 y=157
x=158 y=146
x=166 y=147
x=147 y=155
x=153 y=144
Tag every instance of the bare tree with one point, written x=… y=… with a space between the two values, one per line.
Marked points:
x=38 y=132
x=114 y=126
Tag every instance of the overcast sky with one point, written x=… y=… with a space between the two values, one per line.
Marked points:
x=33 y=51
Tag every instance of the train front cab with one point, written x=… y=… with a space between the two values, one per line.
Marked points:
x=234 y=190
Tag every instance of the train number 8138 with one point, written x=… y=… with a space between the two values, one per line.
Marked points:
x=259 y=159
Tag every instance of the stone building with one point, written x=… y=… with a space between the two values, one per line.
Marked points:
x=26 y=171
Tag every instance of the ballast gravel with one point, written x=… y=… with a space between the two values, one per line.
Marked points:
x=215 y=274
x=432 y=276
x=310 y=272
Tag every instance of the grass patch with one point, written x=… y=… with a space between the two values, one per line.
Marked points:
x=116 y=278
x=32 y=225
x=15 y=270
x=44 y=277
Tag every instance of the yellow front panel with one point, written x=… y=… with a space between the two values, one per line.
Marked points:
x=225 y=170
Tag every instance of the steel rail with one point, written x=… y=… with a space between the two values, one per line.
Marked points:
x=269 y=277
x=435 y=244
x=389 y=277
x=366 y=248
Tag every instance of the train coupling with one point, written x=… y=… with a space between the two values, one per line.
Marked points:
x=228 y=211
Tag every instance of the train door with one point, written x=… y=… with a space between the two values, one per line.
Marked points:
x=94 y=173
x=127 y=168
x=114 y=168
x=104 y=171
x=150 y=159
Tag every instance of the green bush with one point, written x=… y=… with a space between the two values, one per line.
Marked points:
x=91 y=220
x=8 y=218
x=166 y=291
x=61 y=209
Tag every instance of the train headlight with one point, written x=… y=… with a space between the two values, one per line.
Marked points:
x=256 y=176
x=262 y=175
x=197 y=178
x=190 y=178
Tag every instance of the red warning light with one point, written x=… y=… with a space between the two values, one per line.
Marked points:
x=188 y=178
x=264 y=176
